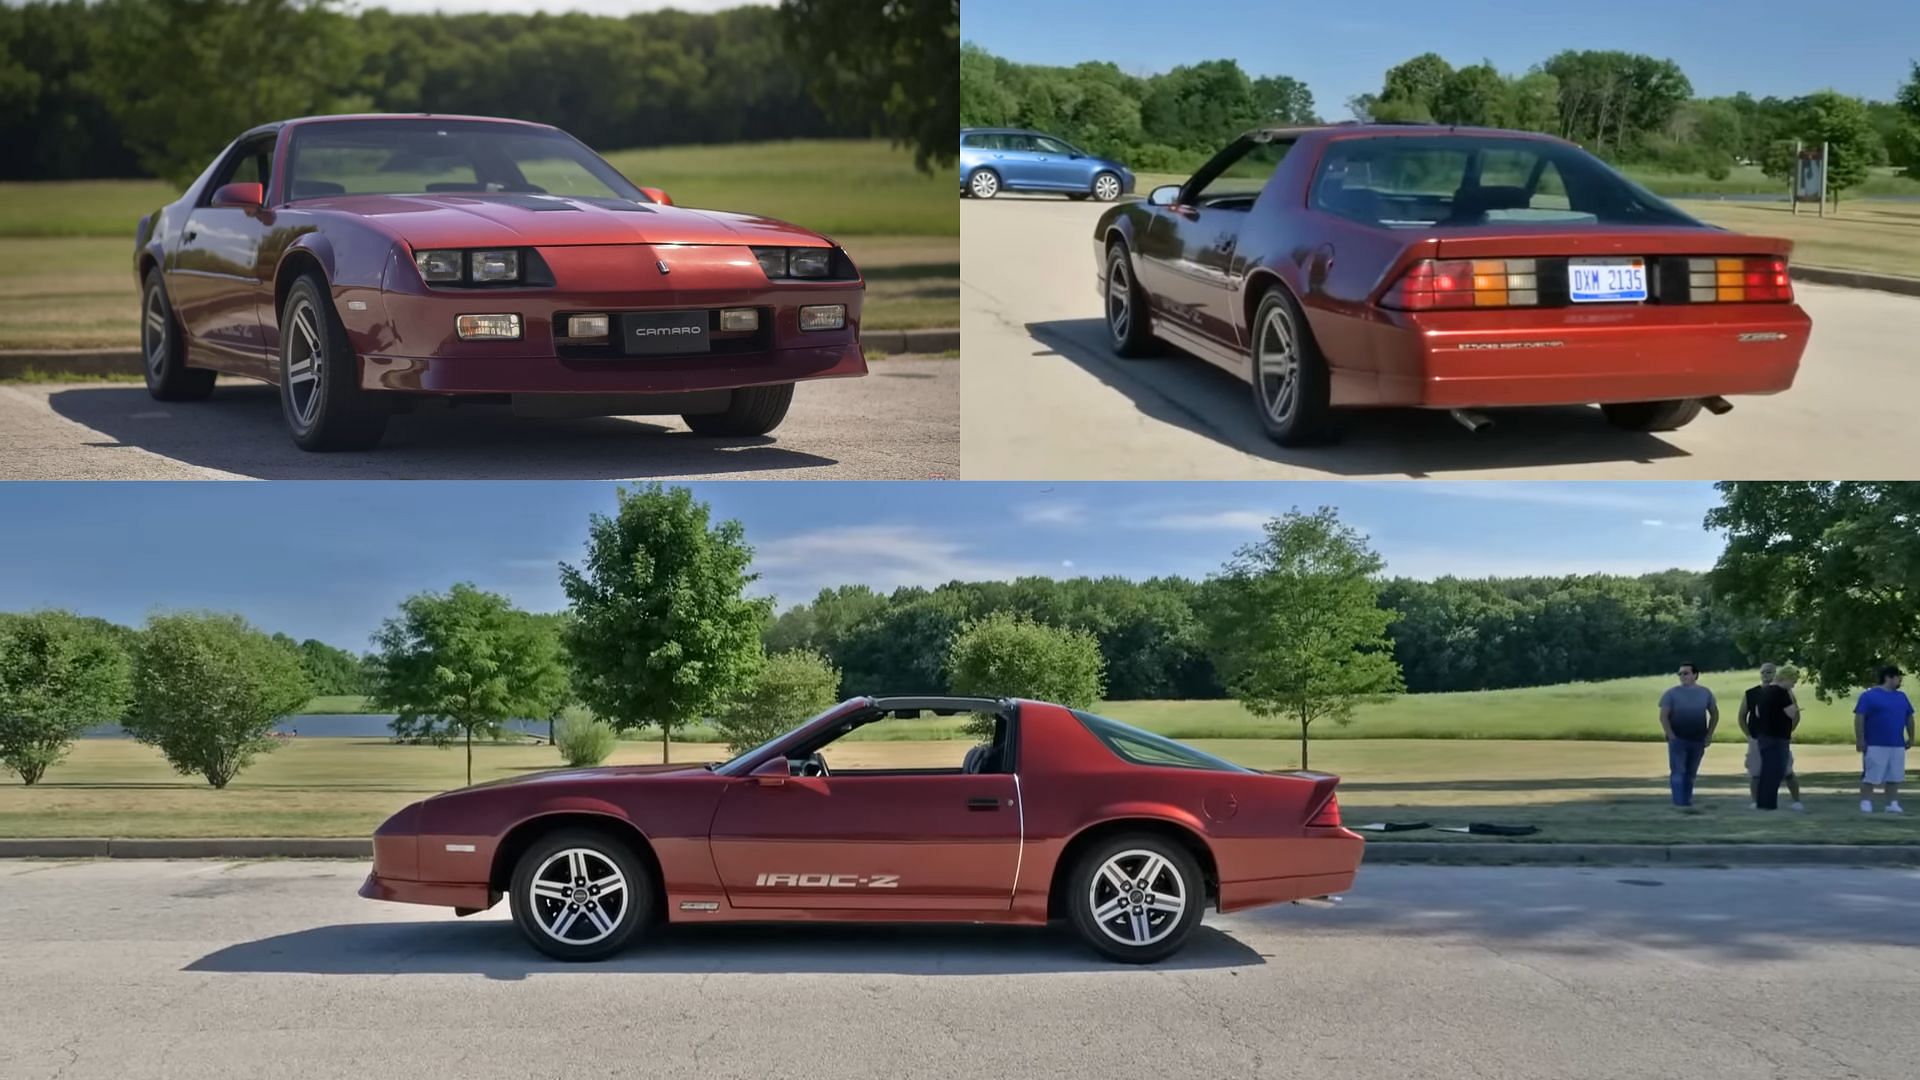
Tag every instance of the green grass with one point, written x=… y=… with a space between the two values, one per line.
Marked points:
x=1876 y=237
x=1749 y=180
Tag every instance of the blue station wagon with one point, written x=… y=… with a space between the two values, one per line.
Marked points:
x=993 y=160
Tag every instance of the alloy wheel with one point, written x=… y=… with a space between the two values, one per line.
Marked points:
x=578 y=896
x=1107 y=188
x=1277 y=363
x=153 y=332
x=1137 y=897
x=306 y=363
x=1119 y=297
x=984 y=184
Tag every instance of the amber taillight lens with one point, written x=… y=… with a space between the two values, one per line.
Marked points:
x=1439 y=284
x=1729 y=280
x=1328 y=816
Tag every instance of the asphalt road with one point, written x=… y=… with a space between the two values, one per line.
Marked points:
x=129 y=969
x=900 y=422
x=1045 y=398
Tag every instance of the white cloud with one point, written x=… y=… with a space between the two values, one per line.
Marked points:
x=1646 y=497
x=797 y=566
x=1068 y=563
x=1211 y=521
x=1051 y=513
x=1653 y=523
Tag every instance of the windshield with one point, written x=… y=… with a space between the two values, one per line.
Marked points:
x=1464 y=181
x=413 y=157
x=1146 y=748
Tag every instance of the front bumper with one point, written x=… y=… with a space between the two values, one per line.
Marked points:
x=512 y=372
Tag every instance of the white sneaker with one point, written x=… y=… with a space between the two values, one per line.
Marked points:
x=1753 y=806
x=1866 y=806
x=1894 y=808
x=1800 y=807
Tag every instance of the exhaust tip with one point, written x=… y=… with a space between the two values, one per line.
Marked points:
x=1475 y=421
x=1717 y=405
x=1318 y=901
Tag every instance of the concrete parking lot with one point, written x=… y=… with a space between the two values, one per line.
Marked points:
x=1045 y=398
x=900 y=422
x=132 y=969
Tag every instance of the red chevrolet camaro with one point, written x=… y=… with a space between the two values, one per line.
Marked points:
x=1059 y=815
x=363 y=263
x=1451 y=268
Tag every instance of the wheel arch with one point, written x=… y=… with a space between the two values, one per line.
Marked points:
x=310 y=254
x=1178 y=832
x=1259 y=280
x=506 y=854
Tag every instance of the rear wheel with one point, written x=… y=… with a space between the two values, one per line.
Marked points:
x=1136 y=898
x=984 y=184
x=1291 y=385
x=168 y=376
x=580 y=894
x=320 y=391
x=754 y=410
x=1106 y=187
x=1652 y=415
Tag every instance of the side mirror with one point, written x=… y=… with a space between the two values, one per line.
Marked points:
x=240 y=196
x=657 y=195
x=772 y=773
x=1164 y=195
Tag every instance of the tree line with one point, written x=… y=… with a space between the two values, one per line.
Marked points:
x=1626 y=107
x=104 y=88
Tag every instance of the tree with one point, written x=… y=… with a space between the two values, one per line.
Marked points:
x=585 y=740
x=464 y=662
x=1007 y=655
x=331 y=670
x=1416 y=83
x=1827 y=572
x=1295 y=623
x=887 y=62
x=1842 y=123
x=1477 y=95
x=662 y=632
x=790 y=687
x=59 y=675
x=207 y=690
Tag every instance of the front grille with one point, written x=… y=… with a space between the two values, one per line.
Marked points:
x=721 y=343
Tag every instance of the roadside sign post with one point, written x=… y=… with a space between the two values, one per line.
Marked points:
x=1823 y=179
x=1809 y=177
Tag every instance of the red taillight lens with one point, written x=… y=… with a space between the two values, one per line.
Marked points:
x=1438 y=284
x=1762 y=278
x=1328 y=816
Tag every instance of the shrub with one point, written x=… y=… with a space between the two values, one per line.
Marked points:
x=207 y=689
x=585 y=740
x=1006 y=655
x=791 y=687
x=59 y=675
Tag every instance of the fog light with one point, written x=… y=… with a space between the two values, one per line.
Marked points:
x=823 y=317
x=739 y=318
x=487 y=327
x=586 y=326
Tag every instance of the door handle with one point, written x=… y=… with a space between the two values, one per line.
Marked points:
x=983 y=804
x=191 y=234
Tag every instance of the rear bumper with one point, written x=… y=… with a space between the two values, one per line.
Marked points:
x=1572 y=356
x=437 y=894
x=549 y=374
x=1235 y=895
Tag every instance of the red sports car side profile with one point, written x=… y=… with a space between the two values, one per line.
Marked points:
x=1060 y=814
x=1384 y=265
x=364 y=263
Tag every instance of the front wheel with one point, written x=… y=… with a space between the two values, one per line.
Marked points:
x=753 y=410
x=984 y=184
x=1652 y=415
x=1136 y=898
x=1106 y=187
x=1291 y=385
x=579 y=894
x=1128 y=328
x=320 y=393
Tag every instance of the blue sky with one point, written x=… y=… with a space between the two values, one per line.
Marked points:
x=330 y=560
x=1780 y=47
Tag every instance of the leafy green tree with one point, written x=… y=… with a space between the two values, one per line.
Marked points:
x=207 y=690
x=330 y=670
x=790 y=687
x=1296 y=626
x=1283 y=99
x=1416 y=83
x=1007 y=655
x=1825 y=571
x=662 y=633
x=464 y=662
x=1842 y=123
x=585 y=740
x=59 y=675
x=887 y=62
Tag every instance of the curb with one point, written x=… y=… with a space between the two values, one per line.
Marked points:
x=14 y=363
x=1856 y=279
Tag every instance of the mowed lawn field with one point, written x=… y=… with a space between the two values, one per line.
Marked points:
x=66 y=248
x=1574 y=791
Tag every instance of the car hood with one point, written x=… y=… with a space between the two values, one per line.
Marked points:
x=601 y=772
x=450 y=220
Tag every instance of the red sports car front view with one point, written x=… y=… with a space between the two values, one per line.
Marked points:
x=364 y=262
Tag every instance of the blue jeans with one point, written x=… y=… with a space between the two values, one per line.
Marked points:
x=1683 y=764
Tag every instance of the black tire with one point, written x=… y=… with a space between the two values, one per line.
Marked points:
x=1652 y=415
x=983 y=183
x=754 y=410
x=1306 y=417
x=532 y=912
x=1110 y=192
x=1079 y=196
x=1166 y=937
x=330 y=411
x=1135 y=338
x=164 y=348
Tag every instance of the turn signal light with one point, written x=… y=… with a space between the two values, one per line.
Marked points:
x=1763 y=278
x=1328 y=816
x=823 y=316
x=487 y=327
x=1433 y=284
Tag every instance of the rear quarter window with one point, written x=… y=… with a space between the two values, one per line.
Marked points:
x=1129 y=743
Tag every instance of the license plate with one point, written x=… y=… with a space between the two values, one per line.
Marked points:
x=1599 y=281
x=645 y=333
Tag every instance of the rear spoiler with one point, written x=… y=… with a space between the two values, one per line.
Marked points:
x=1323 y=788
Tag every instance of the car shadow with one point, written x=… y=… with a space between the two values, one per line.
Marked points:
x=240 y=429
x=495 y=949
x=1190 y=393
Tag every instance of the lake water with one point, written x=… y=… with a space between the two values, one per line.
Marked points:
x=335 y=725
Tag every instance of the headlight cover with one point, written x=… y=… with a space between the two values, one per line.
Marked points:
x=440 y=266
x=806 y=264
x=481 y=267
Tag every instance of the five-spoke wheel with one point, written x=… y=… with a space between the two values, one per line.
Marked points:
x=1127 y=326
x=168 y=376
x=1291 y=384
x=320 y=392
x=1136 y=897
x=579 y=894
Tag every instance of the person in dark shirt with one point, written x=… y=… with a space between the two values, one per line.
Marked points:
x=1749 y=709
x=1776 y=714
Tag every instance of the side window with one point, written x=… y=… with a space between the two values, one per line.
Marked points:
x=250 y=163
x=907 y=743
x=1050 y=146
x=1239 y=181
x=1022 y=143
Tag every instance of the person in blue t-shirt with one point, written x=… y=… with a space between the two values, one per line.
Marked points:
x=1688 y=715
x=1882 y=732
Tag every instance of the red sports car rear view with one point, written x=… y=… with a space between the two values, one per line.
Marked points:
x=366 y=262
x=1059 y=814
x=1451 y=268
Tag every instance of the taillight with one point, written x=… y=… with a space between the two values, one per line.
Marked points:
x=1762 y=278
x=1328 y=816
x=1433 y=284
